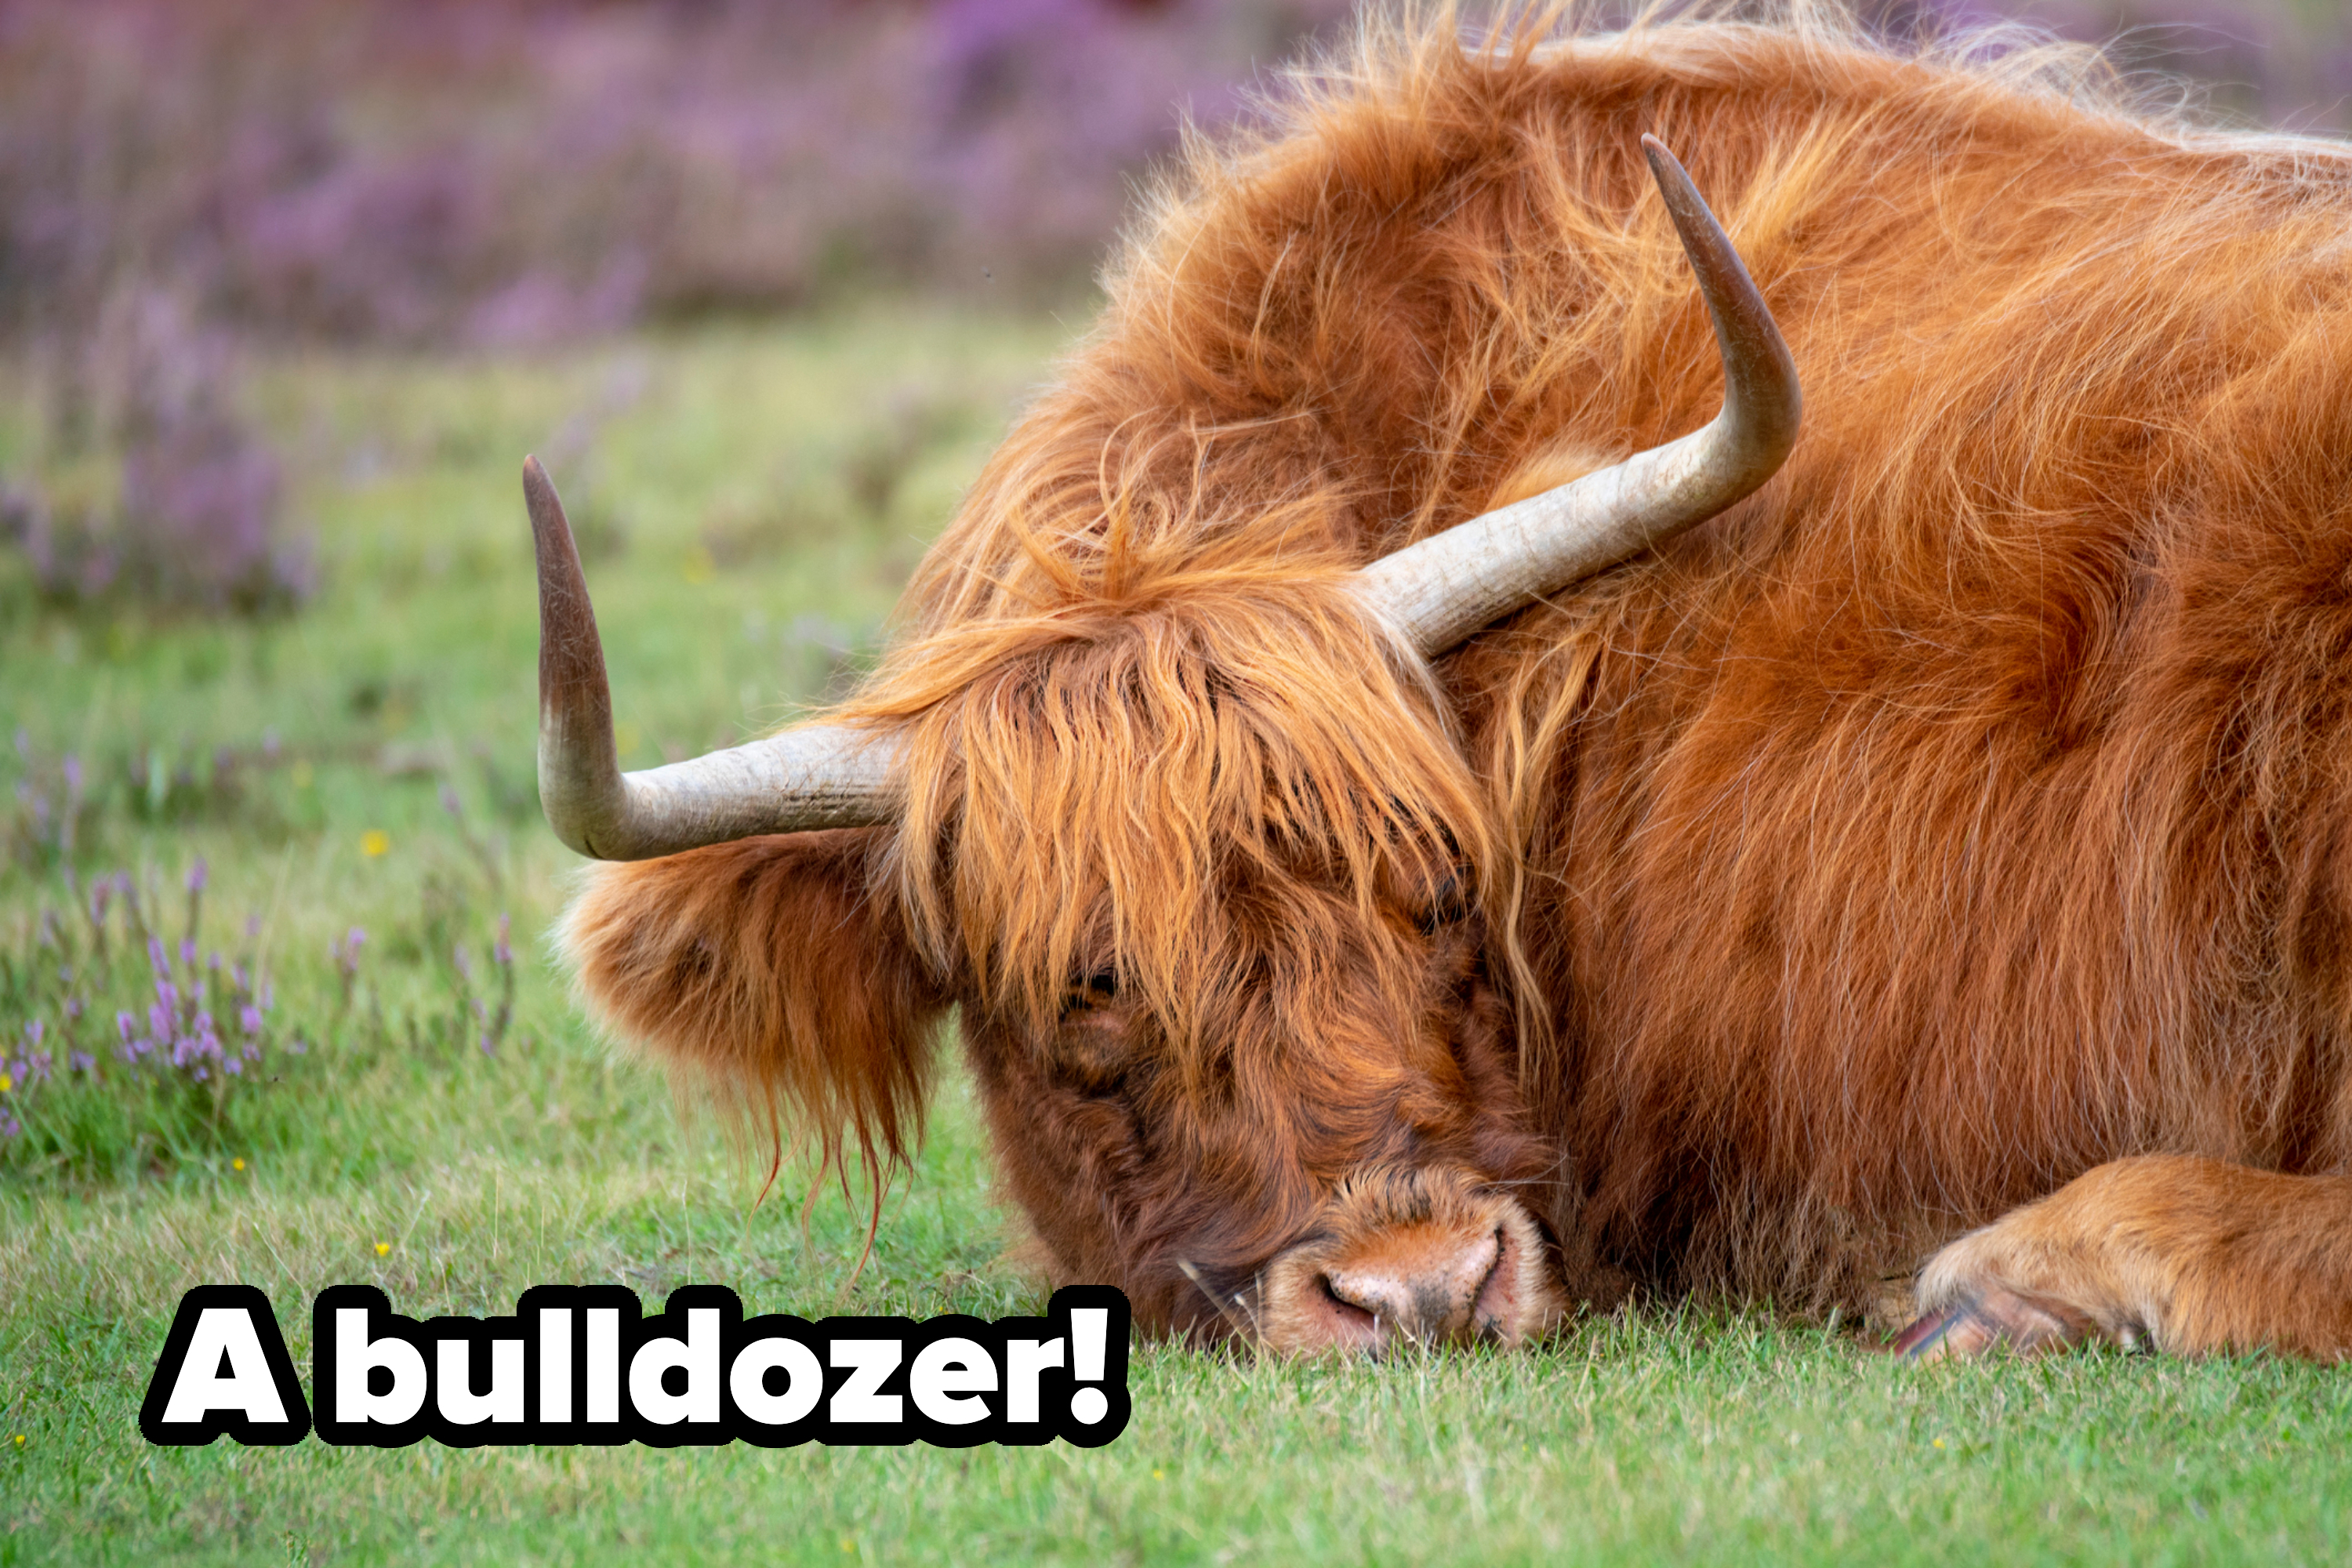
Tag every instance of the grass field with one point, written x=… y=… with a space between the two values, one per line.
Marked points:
x=749 y=499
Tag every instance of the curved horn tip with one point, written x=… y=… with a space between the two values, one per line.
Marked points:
x=557 y=553
x=1439 y=591
x=1684 y=203
x=1761 y=387
x=1665 y=166
x=579 y=773
x=1662 y=160
x=539 y=495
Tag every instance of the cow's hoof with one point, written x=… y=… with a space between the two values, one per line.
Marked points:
x=1989 y=1320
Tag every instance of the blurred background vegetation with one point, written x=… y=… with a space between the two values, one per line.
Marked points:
x=504 y=172
x=186 y=183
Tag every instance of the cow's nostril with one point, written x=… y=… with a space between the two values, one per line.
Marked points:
x=1371 y=1301
x=1494 y=1303
x=1352 y=1312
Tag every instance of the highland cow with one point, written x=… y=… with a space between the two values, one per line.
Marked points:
x=1419 y=842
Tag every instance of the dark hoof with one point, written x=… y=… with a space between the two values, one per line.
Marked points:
x=1975 y=1326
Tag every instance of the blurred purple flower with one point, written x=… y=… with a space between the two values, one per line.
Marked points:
x=548 y=172
x=195 y=522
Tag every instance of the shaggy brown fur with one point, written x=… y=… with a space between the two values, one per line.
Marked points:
x=765 y=969
x=1969 y=807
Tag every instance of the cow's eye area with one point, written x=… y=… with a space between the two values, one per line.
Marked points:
x=1095 y=991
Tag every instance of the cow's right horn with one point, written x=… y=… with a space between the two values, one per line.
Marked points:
x=1439 y=591
x=818 y=775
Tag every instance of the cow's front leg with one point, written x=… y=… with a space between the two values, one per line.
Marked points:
x=2177 y=1253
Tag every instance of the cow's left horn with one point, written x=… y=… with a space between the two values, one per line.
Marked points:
x=819 y=775
x=1448 y=585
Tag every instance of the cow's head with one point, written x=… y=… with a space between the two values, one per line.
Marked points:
x=1193 y=848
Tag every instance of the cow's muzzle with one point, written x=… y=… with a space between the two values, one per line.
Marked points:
x=1411 y=1256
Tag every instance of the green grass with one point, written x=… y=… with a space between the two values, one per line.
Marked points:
x=753 y=495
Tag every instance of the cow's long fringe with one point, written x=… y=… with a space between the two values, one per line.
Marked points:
x=1968 y=805
x=1128 y=761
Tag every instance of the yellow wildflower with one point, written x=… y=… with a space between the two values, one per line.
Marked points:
x=383 y=1248
x=376 y=841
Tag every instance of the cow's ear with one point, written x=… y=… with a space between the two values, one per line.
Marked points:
x=775 y=974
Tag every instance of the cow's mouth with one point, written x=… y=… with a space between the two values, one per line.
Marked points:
x=1412 y=1256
